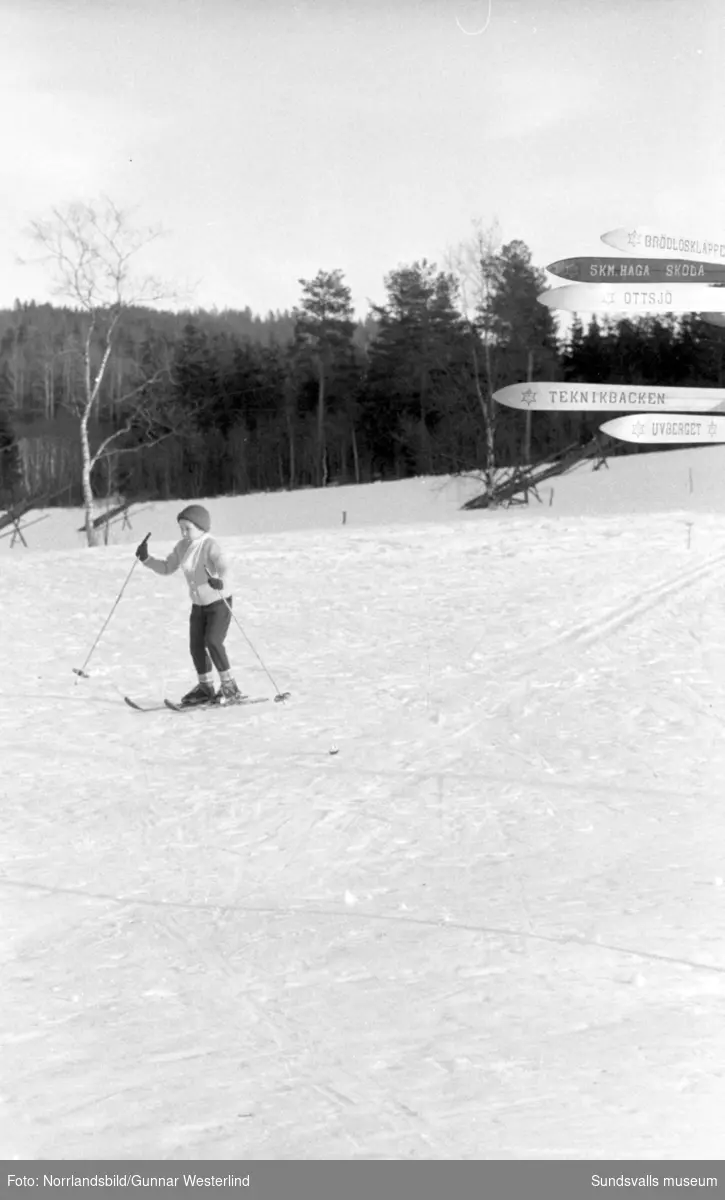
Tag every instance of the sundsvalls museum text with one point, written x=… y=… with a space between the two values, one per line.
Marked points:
x=650 y=1181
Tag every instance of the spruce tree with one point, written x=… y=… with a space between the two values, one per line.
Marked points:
x=414 y=363
x=10 y=467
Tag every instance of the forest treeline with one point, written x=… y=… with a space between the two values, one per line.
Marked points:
x=234 y=402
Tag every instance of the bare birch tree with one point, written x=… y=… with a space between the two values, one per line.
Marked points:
x=91 y=252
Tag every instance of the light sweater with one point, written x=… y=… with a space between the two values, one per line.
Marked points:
x=194 y=558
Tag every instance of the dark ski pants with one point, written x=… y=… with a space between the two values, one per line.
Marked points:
x=208 y=627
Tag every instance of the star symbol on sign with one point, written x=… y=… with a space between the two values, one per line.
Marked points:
x=712 y=429
x=529 y=396
x=608 y=298
x=638 y=429
x=633 y=238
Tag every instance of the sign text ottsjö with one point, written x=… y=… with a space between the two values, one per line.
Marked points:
x=634 y=298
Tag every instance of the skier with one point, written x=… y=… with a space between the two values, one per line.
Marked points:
x=199 y=554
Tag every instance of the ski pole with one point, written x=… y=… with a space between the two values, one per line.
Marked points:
x=280 y=696
x=81 y=671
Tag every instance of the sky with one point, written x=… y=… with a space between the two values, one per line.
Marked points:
x=275 y=139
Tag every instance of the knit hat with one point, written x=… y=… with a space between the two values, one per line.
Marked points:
x=197 y=515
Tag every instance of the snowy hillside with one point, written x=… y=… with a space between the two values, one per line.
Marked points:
x=683 y=480
x=491 y=926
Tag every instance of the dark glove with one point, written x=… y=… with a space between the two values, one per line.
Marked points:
x=217 y=584
x=142 y=551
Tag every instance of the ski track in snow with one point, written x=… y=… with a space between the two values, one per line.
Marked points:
x=491 y=927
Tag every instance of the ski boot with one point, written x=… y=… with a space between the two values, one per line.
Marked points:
x=228 y=693
x=203 y=693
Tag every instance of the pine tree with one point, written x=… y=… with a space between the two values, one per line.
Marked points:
x=324 y=328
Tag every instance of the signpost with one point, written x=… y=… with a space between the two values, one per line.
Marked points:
x=543 y=396
x=664 y=273
x=673 y=429
x=635 y=298
x=642 y=239
x=633 y=270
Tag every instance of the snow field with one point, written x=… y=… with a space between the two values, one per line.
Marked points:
x=491 y=927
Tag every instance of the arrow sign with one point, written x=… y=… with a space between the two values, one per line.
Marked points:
x=632 y=270
x=546 y=396
x=676 y=428
x=635 y=298
x=643 y=240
